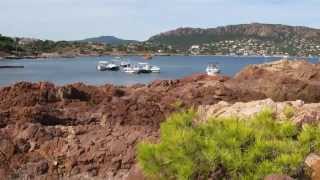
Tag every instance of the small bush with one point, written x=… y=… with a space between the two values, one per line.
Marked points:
x=243 y=149
x=288 y=111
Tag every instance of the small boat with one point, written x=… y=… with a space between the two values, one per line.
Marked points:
x=107 y=66
x=212 y=70
x=124 y=64
x=112 y=66
x=102 y=65
x=132 y=69
x=285 y=57
x=144 y=68
x=147 y=57
x=155 y=69
x=147 y=68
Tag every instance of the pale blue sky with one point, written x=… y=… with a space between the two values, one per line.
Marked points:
x=140 y=19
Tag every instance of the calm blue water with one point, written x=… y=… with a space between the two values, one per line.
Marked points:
x=65 y=71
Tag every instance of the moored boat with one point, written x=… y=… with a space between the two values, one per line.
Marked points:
x=124 y=64
x=102 y=65
x=141 y=68
x=155 y=69
x=132 y=69
x=112 y=66
x=147 y=68
x=212 y=70
x=108 y=66
x=144 y=68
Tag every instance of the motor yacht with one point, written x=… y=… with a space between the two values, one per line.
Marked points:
x=102 y=65
x=212 y=70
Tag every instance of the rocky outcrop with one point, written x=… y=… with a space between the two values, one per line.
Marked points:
x=281 y=80
x=81 y=132
x=299 y=112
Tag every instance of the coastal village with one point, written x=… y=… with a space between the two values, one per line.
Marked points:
x=253 y=47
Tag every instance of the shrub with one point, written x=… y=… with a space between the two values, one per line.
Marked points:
x=243 y=149
x=288 y=111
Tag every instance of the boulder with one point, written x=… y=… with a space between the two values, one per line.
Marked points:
x=313 y=163
x=70 y=92
x=7 y=149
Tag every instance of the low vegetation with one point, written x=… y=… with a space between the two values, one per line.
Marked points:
x=6 y=44
x=15 y=46
x=228 y=148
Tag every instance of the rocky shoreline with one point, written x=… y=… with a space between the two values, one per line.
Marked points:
x=79 y=131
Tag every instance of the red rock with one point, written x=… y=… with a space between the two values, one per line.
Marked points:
x=117 y=147
x=135 y=173
x=76 y=127
x=70 y=92
x=7 y=149
x=42 y=167
x=23 y=145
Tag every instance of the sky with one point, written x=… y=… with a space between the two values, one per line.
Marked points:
x=140 y=19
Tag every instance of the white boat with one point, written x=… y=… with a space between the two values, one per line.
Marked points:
x=212 y=70
x=285 y=57
x=113 y=66
x=155 y=69
x=144 y=68
x=147 y=68
x=125 y=64
x=102 y=65
x=105 y=65
x=132 y=69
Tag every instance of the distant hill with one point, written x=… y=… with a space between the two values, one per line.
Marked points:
x=185 y=37
x=109 y=40
x=7 y=44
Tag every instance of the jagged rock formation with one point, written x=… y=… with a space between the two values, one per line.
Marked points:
x=79 y=131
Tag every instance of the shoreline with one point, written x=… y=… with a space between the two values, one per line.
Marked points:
x=142 y=54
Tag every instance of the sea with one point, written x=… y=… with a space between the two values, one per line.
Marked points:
x=63 y=71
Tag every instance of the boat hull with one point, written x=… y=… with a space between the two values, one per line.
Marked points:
x=101 y=68
x=144 y=71
x=213 y=72
x=112 y=68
